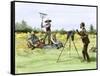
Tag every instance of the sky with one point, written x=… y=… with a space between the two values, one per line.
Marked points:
x=63 y=16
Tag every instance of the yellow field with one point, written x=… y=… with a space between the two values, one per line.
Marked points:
x=41 y=60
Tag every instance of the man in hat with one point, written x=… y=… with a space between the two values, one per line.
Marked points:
x=84 y=36
x=47 y=26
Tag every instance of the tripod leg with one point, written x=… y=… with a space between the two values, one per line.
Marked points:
x=61 y=51
x=76 y=49
x=69 y=47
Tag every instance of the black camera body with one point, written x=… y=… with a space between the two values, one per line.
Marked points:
x=70 y=34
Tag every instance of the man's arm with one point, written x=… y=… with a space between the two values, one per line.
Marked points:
x=82 y=33
x=45 y=26
x=41 y=24
x=78 y=32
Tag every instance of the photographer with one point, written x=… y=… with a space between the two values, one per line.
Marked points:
x=84 y=36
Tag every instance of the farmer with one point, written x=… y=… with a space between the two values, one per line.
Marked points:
x=47 y=26
x=84 y=36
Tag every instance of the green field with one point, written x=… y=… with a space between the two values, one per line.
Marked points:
x=44 y=60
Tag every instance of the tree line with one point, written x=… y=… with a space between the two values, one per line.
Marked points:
x=24 y=27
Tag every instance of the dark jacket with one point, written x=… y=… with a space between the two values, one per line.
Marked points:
x=84 y=36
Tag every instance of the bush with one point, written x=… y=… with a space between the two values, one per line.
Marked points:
x=22 y=27
x=92 y=30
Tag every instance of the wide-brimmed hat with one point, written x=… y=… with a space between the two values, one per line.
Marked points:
x=47 y=21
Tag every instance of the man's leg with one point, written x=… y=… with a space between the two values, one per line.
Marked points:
x=49 y=37
x=83 y=52
x=45 y=37
x=86 y=53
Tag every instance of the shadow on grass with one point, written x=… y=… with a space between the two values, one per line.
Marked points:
x=93 y=59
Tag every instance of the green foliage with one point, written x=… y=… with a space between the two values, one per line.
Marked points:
x=22 y=27
x=92 y=30
x=36 y=30
x=62 y=31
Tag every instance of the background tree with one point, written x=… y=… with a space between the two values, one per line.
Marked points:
x=92 y=30
x=22 y=27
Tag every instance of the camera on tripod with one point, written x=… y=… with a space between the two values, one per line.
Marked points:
x=70 y=34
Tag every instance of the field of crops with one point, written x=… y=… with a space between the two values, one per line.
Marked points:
x=44 y=60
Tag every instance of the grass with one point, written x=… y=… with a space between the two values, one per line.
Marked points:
x=44 y=60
